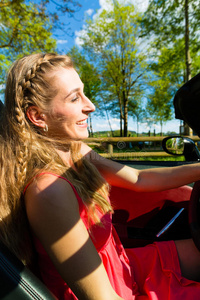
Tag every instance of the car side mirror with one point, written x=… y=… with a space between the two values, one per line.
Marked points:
x=178 y=145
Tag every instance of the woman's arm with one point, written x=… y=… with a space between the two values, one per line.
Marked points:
x=53 y=213
x=148 y=180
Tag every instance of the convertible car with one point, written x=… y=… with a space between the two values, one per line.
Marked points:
x=171 y=214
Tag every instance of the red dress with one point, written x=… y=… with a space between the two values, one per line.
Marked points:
x=151 y=272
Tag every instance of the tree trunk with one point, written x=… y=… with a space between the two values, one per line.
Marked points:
x=108 y=120
x=125 y=101
x=90 y=126
x=137 y=126
x=187 y=40
x=121 y=118
x=161 y=128
x=121 y=131
x=187 y=130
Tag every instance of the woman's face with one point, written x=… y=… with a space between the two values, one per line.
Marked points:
x=70 y=107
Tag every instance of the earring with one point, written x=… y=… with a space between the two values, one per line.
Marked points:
x=46 y=128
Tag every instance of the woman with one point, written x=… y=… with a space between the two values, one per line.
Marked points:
x=54 y=195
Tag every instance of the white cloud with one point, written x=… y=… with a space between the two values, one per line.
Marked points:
x=141 y=5
x=156 y=126
x=105 y=4
x=79 y=34
x=98 y=125
x=115 y=120
x=173 y=125
x=62 y=41
x=89 y=12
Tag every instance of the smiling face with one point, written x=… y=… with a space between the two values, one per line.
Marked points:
x=70 y=107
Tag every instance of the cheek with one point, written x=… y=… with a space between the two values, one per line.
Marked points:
x=61 y=114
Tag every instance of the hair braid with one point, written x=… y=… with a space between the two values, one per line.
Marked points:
x=20 y=109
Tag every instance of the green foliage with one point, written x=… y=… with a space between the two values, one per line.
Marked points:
x=158 y=105
x=164 y=23
x=165 y=81
x=111 y=40
x=25 y=28
x=165 y=20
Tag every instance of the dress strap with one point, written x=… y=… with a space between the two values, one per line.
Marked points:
x=75 y=191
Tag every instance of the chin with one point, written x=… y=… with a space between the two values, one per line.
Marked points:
x=84 y=135
x=81 y=136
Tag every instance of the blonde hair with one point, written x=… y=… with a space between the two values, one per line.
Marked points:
x=25 y=151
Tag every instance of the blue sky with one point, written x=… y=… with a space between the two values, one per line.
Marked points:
x=89 y=9
x=65 y=42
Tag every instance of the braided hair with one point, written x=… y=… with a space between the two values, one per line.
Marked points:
x=25 y=150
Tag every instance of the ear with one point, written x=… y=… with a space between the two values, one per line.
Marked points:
x=36 y=116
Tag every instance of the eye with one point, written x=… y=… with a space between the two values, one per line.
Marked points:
x=75 y=98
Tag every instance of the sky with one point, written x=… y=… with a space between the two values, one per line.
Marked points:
x=89 y=9
x=65 y=42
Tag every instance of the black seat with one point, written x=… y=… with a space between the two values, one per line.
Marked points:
x=17 y=281
x=187 y=103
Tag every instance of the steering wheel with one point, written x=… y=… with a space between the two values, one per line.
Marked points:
x=194 y=214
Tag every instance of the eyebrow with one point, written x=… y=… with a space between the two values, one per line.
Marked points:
x=73 y=91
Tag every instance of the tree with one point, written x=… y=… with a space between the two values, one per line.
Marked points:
x=138 y=113
x=112 y=40
x=26 y=27
x=173 y=27
x=165 y=80
x=158 y=106
x=89 y=76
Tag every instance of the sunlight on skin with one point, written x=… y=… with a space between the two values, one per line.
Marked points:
x=59 y=245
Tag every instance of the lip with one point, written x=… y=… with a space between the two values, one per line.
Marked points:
x=82 y=123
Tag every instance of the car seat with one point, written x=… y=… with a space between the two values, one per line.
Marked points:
x=187 y=103
x=17 y=282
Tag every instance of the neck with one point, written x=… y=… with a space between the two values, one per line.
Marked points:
x=65 y=156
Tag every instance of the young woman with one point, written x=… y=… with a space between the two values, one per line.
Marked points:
x=54 y=195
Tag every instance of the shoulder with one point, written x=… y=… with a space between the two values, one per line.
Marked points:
x=48 y=184
x=50 y=197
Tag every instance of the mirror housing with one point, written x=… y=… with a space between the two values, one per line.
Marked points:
x=179 y=145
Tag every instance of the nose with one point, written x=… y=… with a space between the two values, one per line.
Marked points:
x=88 y=105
